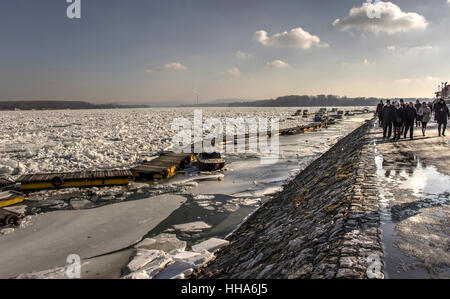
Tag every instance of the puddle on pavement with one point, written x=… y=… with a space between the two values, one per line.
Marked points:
x=413 y=179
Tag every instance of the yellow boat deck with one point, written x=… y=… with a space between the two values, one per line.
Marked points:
x=10 y=198
x=74 y=179
x=163 y=167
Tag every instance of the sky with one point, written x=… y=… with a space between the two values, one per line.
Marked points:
x=171 y=51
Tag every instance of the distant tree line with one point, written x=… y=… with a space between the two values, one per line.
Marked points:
x=319 y=100
x=60 y=105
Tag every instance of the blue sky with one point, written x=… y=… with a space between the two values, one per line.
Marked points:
x=144 y=51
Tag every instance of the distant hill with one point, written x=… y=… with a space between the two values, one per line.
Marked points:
x=320 y=100
x=60 y=105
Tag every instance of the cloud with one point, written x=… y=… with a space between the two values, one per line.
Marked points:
x=243 y=56
x=176 y=66
x=296 y=38
x=277 y=64
x=235 y=72
x=173 y=66
x=416 y=80
x=411 y=50
x=381 y=17
x=365 y=62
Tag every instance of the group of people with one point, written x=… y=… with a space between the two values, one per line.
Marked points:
x=402 y=117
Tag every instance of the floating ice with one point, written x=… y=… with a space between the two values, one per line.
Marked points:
x=197 y=226
x=210 y=245
x=164 y=242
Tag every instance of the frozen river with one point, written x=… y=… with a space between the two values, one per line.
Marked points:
x=211 y=206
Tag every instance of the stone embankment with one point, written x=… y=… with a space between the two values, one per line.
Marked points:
x=324 y=224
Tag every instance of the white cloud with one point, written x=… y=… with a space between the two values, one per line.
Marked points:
x=391 y=19
x=411 y=50
x=416 y=80
x=173 y=66
x=296 y=38
x=243 y=56
x=277 y=64
x=235 y=72
x=176 y=66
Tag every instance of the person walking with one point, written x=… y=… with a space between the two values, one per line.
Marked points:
x=388 y=116
x=418 y=120
x=378 y=113
x=441 y=115
x=430 y=105
x=398 y=121
x=410 y=115
x=425 y=116
x=402 y=104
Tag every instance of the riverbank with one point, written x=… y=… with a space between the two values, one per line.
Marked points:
x=324 y=224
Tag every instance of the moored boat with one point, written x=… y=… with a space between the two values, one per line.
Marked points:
x=210 y=162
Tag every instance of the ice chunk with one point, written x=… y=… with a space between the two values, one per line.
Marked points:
x=197 y=226
x=143 y=258
x=194 y=259
x=156 y=266
x=137 y=275
x=210 y=245
x=164 y=242
x=177 y=270
x=204 y=197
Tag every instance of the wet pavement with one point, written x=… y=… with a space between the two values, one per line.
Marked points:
x=415 y=210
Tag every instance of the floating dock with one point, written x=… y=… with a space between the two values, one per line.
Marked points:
x=74 y=179
x=10 y=198
x=163 y=167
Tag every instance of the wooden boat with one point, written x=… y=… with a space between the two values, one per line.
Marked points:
x=9 y=198
x=210 y=162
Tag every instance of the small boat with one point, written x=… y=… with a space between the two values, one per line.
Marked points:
x=210 y=162
x=10 y=198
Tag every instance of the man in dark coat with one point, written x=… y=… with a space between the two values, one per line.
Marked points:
x=378 y=113
x=388 y=114
x=441 y=115
x=398 y=121
x=410 y=115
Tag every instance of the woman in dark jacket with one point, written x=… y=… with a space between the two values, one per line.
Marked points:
x=441 y=115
